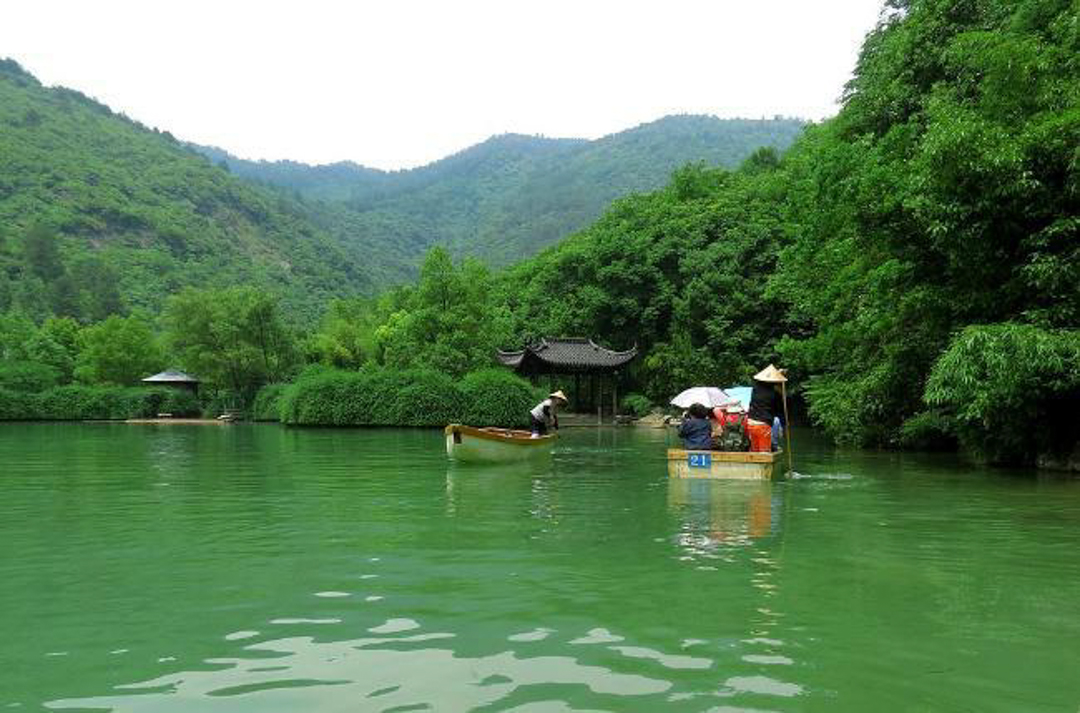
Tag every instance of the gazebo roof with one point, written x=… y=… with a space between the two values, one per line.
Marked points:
x=171 y=376
x=566 y=356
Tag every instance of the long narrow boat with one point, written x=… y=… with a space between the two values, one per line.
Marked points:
x=723 y=465
x=494 y=445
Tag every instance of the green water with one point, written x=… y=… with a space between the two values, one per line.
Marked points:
x=263 y=569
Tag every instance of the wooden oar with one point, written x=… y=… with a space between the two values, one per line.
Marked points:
x=787 y=429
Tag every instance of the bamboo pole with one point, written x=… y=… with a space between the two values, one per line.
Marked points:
x=787 y=429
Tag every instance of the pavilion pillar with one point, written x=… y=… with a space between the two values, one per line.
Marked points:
x=614 y=396
x=599 y=381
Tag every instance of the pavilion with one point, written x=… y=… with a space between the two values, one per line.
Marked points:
x=175 y=379
x=577 y=357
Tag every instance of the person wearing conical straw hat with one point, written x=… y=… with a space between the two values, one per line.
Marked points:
x=545 y=414
x=766 y=406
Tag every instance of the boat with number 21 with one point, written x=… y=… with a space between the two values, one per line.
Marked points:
x=723 y=465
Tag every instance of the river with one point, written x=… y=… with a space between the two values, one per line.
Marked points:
x=255 y=568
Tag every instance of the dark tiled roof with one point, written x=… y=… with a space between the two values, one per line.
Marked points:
x=172 y=376
x=566 y=356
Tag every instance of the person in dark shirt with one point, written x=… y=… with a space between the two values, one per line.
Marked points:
x=766 y=405
x=696 y=429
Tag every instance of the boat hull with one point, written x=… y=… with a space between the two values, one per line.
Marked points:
x=467 y=444
x=723 y=465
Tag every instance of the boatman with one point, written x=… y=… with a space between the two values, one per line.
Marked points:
x=544 y=414
x=766 y=409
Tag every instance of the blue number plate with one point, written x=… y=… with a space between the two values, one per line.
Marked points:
x=699 y=460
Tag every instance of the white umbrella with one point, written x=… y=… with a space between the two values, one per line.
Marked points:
x=705 y=395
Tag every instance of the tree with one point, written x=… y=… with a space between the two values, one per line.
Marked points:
x=119 y=351
x=233 y=338
x=346 y=335
x=56 y=343
x=41 y=253
x=995 y=382
x=943 y=195
x=98 y=284
x=16 y=330
x=451 y=322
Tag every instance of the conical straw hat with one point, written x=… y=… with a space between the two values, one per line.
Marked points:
x=559 y=395
x=770 y=374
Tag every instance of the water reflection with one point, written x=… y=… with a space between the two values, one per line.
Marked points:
x=724 y=513
x=390 y=672
x=478 y=491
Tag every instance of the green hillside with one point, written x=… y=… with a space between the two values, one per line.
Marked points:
x=92 y=204
x=513 y=195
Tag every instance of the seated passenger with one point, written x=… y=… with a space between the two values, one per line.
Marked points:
x=732 y=435
x=696 y=429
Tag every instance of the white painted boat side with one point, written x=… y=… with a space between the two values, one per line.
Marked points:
x=465 y=444
x=723 y=465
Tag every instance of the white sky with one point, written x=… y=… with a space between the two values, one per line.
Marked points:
x=400 y=83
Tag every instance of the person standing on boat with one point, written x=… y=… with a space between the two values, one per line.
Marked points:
x=766 y=406
x=545 y=414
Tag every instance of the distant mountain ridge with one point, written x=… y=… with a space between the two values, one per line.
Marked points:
x=512 y=195
x=112 y=202
x=107 y=201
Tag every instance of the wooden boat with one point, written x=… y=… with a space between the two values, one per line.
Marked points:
x=724 y=465
x=494 y=445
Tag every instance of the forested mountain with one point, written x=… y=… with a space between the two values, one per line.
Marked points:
x=513 y=195
x=913 y=261
x=99 y=214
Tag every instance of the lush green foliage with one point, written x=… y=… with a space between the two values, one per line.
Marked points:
x=511 y=195
x=384 y=397
x=76 y=402
x=233 y=338
x=27 y=376
x=1010 y=390
x=913 y=261
x=636 y=405
x=449 y=323
x=119 y=351
x=497 y=397
x=100 y=214
x=680 y=272
x=944 y=194
x=346 y=336
x=267 y=406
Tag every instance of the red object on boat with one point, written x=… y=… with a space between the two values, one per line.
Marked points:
x=760 y=436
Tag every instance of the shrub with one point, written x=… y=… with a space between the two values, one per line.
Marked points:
x=1011 y=390
x=268 y=403
x=76 y=402
x=496 y=397
x=27 y=376
x=386 y=397
x=373 y=397
x=19 y=405
x=429 y=399
x=180 y=403
x=927 y=431
x=636 y=405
